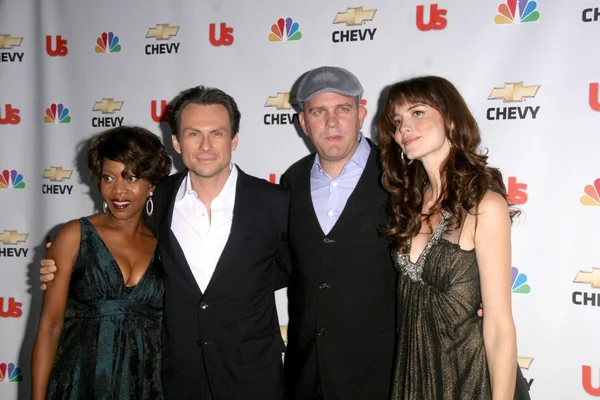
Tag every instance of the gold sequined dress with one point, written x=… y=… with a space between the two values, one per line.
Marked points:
x=440 y=353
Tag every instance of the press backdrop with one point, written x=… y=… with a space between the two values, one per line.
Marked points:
x=528 y=70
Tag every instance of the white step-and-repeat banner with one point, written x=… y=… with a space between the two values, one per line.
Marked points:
x=529 y=71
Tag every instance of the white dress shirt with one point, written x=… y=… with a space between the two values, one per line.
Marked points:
x=202 y=240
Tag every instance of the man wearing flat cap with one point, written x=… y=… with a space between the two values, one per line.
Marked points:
x=341 y=291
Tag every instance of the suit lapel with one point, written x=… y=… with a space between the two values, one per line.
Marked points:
x=363 y=191
x=244 y=212
x=360 y=195
x=305 y=193
x=167 y=236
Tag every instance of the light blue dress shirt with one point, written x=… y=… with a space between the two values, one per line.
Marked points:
x=329 y=195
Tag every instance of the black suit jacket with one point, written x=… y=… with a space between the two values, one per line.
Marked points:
x=341 y=293
x=232 y=330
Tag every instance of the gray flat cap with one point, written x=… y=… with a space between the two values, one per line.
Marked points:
x=328 y=79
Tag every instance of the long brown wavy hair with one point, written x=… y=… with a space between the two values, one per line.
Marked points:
x=465 y=175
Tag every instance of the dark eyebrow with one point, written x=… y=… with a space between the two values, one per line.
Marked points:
x=199 y=131
x=416 y=105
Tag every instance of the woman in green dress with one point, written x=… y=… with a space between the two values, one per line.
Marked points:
x=100 y=327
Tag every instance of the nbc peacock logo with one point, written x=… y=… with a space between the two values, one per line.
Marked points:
x=57 y=114
x=107 y=43
x=11 y=180
x=285 y=30
x=592 y=194
x=519 y=283
x=10 y=373
x=516 y=12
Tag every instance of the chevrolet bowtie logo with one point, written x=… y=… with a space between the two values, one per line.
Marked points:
x=281 y=101
x=525 y=362
x=513 y=92
x=12 y=237
x=108 y=106
x=592 y=278
x=8 y=42
x=354 y=16
x=57 y=174
x=162 y=32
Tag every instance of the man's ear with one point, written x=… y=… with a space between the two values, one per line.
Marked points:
x=302 y=121
x=175 y=142
x=362 y=113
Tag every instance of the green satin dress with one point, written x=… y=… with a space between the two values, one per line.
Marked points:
x=110 y=345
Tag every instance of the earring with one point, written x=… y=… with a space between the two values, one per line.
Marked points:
x=150 y=205
x=452 y=132
x=104 y=206
x=402 y=155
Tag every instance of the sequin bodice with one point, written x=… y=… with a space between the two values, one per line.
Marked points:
x=414 y=270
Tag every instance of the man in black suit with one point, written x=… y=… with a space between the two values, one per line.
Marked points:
x=341 y=291
x=222 y=234
x=222 y=237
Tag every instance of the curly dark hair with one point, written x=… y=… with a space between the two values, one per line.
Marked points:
x=466 y=177
x=141 y=151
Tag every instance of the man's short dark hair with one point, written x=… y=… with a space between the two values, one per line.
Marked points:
x=207 y=96
x=140 y=150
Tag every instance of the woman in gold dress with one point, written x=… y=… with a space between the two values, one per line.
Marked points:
x=450 y=233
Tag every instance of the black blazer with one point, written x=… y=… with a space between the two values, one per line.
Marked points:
x=341 y=293
x=231 y=330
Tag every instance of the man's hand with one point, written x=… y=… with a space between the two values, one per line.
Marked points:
x=47 y=269
x=480 y=311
